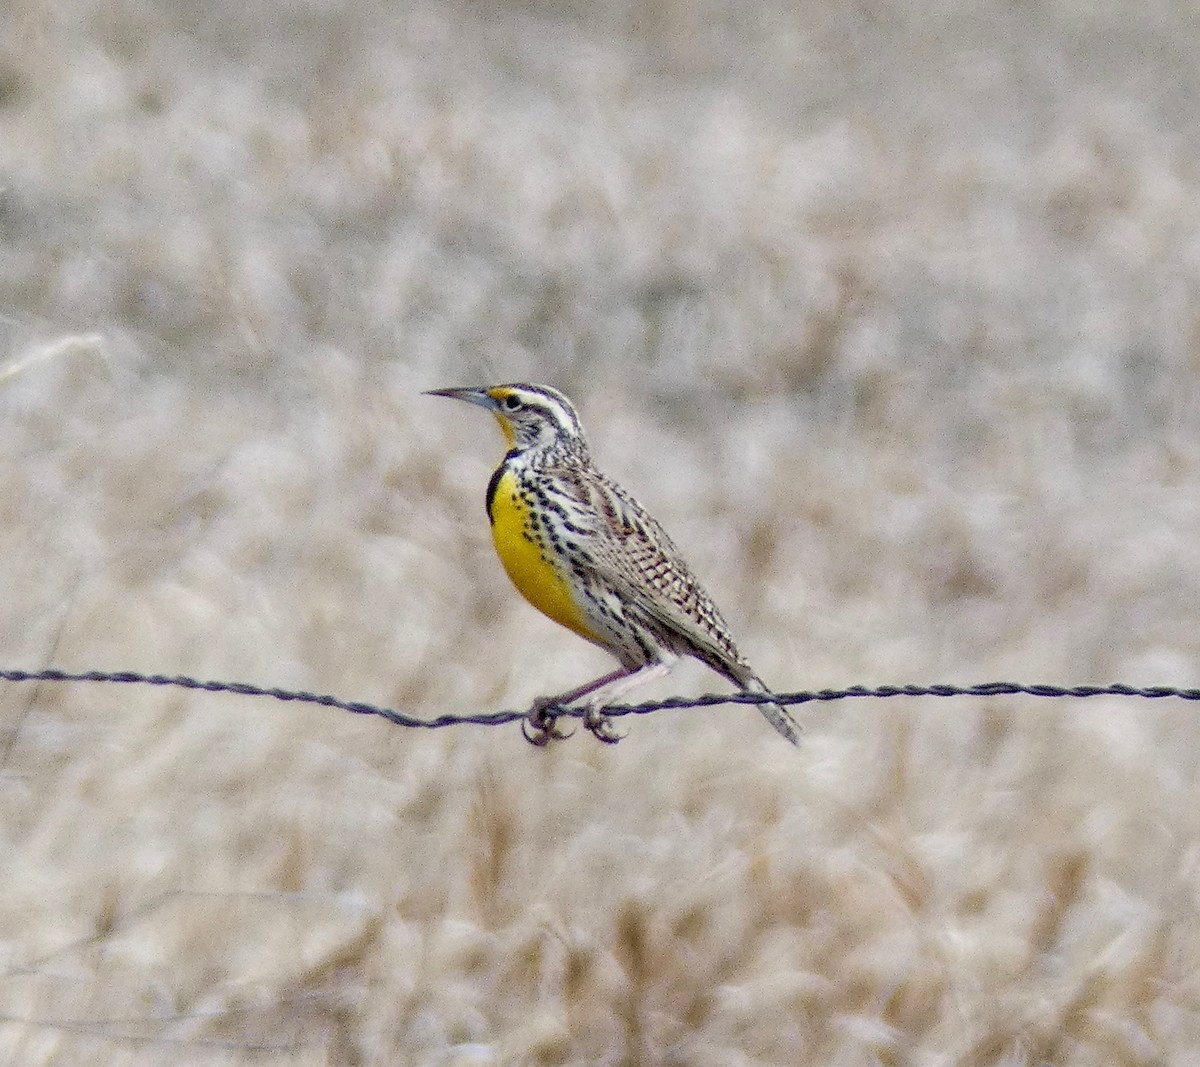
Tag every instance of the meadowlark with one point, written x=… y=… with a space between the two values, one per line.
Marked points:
x=584 y=552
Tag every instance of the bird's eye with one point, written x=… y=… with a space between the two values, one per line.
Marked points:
x=511 y=402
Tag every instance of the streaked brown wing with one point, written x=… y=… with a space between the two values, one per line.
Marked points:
x=630 y=552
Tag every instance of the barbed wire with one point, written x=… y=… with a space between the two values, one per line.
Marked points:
x=499 y=718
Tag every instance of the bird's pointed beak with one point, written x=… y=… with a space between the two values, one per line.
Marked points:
x=471 y=396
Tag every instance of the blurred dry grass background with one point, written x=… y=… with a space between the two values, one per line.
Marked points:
x=889 y=311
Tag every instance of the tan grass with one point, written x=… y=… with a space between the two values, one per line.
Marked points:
x=889 y=313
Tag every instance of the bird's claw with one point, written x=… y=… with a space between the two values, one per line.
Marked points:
x=540 y=725
x=601 y=726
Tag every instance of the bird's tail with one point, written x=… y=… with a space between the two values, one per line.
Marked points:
x=776 y=714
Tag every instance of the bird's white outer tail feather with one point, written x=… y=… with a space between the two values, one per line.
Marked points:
x=775 y=714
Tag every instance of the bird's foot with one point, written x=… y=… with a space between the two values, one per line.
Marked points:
x=601 y=725
x=540 y=725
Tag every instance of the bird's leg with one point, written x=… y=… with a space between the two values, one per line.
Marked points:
x=540 y=726
x=608 y=690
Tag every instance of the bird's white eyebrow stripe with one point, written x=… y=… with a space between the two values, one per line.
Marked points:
x=562 y=413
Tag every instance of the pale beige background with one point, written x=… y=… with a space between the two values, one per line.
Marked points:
x=889 y=311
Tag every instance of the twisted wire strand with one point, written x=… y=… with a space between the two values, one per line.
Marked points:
x=499 y=718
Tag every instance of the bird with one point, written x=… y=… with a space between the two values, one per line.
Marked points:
x=584 y=552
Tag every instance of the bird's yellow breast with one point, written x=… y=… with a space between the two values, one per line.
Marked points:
x=529 y=561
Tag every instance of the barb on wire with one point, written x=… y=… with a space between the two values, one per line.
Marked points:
x=499 y=718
